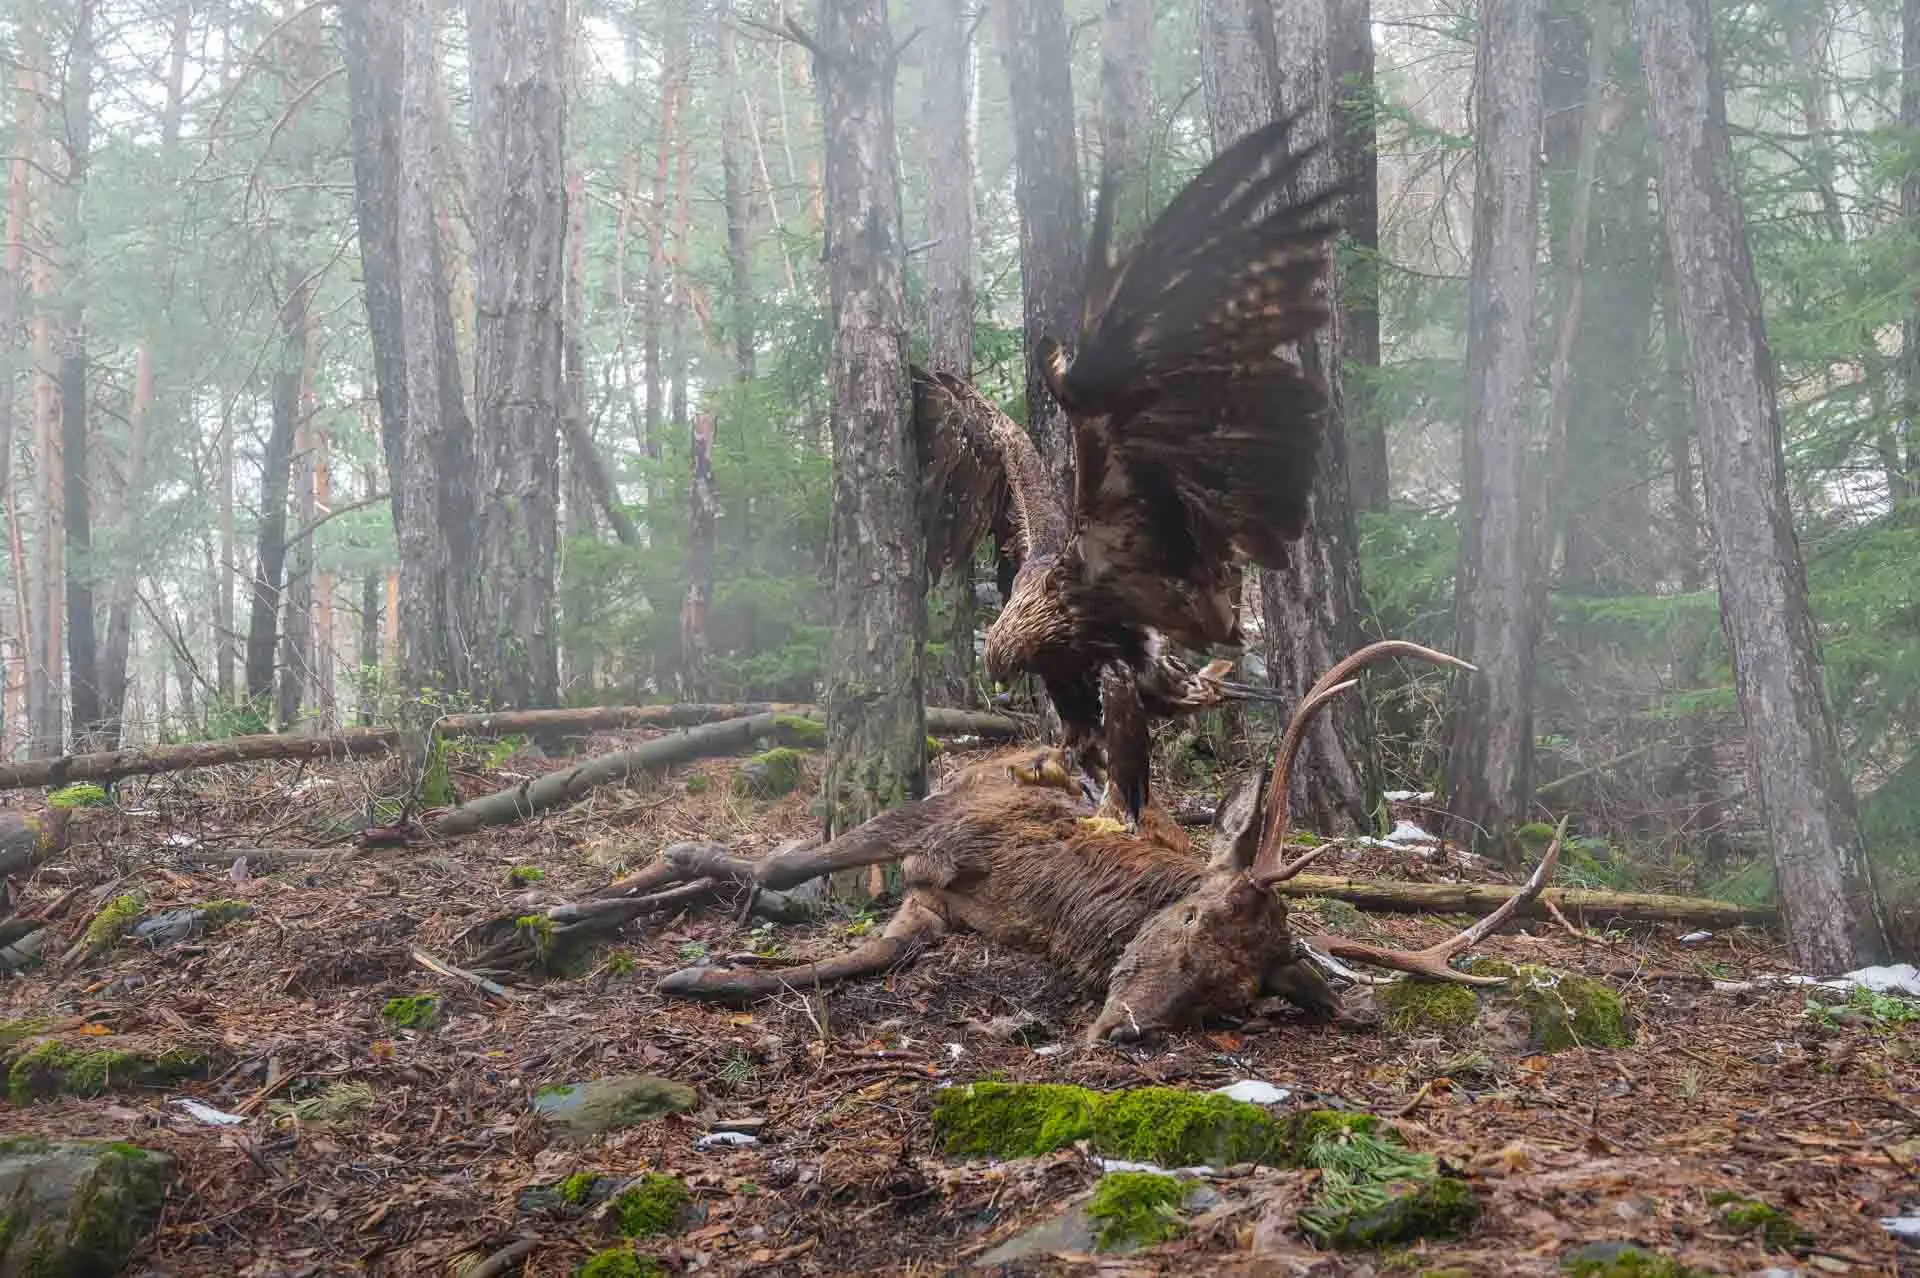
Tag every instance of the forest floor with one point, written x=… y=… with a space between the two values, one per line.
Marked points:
x=1745 y=1092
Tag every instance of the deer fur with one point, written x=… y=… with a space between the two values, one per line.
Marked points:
x=1005 y=850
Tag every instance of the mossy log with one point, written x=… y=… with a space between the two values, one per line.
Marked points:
x=355 y=743
x=28 y=838
x=1479 y=898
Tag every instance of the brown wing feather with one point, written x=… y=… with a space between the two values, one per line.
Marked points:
x=1196 y=442
x=980 y=474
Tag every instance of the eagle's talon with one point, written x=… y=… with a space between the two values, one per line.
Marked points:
x=1105 y=825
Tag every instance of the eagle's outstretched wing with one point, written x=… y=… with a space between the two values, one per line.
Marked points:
x=1196 y=442
x=980 y=474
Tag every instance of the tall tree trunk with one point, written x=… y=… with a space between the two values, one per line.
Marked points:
x=1368 y=475
x=1906 y=485
x=876 y=738
x=437 y=533
x=1034 y=47
x=372 y=588
x=1490 y=754
x=700 y=537
x=270 y=537
x=519 y=98
x=371 y=47
x=653 y=319
x=1833 y=917
x=1126 y=107
x=225 y=614
x=114 y=659
x=1256 y=61
x=737 y=188
x=83 y=652
x=947 y=162
x=15 y=286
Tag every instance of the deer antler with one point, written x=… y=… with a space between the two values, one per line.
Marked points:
x=1432 y=961
x=1326 y=688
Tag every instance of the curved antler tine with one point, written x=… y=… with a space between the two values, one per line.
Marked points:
x=1525 y=896
x=1278 y=809
x=1355 y=662
x=1269 y=878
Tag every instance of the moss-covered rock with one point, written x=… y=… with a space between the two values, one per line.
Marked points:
x=1012 y=1120
x=1173 y=1128
x=799 y=731
x=1135 y=1209
x=19 y=1031
x=578 y=1188
x=523 y=875
x=773 y=774
x=77 y=1208
x=412 y=1011
x=54 y=1068
x=655 y=1204
x=584 y=1110
x=1563 y=1010
x=1623 y=1260
x=1411 y=1005
x=1778 y=1228
x=619 y=1262
x=112 y=923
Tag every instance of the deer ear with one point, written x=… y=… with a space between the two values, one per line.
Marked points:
x=1236 y=826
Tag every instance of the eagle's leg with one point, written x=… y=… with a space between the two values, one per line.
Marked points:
x=1112 y=817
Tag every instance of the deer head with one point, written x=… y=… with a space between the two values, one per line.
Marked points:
x=1227 y=943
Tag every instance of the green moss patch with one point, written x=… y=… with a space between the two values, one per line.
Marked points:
x=619 y=1262
x=1563 y=1010
x=82 y=794
x=1623 y=1260
x=112 y=923
x=1411 y=1005
x=412 y=1011
x=1135 y=1209
x=773 y=774
x=1173 y=1128
x=522 y=875
x=54 y=1068
x=1374 y=1192
x=19 y=1031
x=798 y=730
x=1751 y=1216
x=655 y=1204
x=77 y=1207
x=1012 y=1120
x=222 y=911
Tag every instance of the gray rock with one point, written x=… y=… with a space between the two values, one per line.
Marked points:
x=585 y=1110
x=76 y=1207
x=1069 y=1231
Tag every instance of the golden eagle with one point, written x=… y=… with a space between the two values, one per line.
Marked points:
x=1195 y=447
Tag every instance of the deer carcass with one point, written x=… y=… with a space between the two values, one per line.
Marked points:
x=1006 y=851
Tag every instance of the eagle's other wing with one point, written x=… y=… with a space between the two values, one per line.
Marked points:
x=1196 y=443
x=980 y=474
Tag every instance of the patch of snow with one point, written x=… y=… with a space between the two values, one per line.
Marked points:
x=177 y=839
x=1902 y=1226
x=208 y=1114
x=956 y=1051
x=1897 y=978
x=1254 y=1091
x=1122 y=1164
x=720 y=1140
x=1694 y=938
x=1051 y=1049
x=1408 y=796
x=1408 y=832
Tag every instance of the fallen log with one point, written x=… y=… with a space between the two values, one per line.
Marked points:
x=1477 y=898
x=731 y=736
x=354 y=743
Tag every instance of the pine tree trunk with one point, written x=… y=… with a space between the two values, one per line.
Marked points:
x=14 y=288
x=1126 y=108
x=437 y=530
x=653 y=318
x=700 y=537
x=1253 y=64
x=1906 y=484
x=737 y=189
x=270 y=537
x=1490 y=753
x=947 y=163
x=1832 y=915
x=1035 y=49
x=876 y=738
x=518 y=58
x=1368 y=474
x=114 y=659
x=83 y=653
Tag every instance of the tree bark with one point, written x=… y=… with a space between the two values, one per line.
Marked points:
x=737 y=189
x=700 y=537
x=270 y=538
x=1833 y=917
x=1906 y=485
x=1034 y=47
x=1126 y=108
x=1490 y=754
x=437 y=535
x=876 y=752
x=114 y=660
x=518 y=59
x=1257 y=61
x=946 y=49
x=372 y=49
x=83 y=652
x=653 y=319
x=1368 y=474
